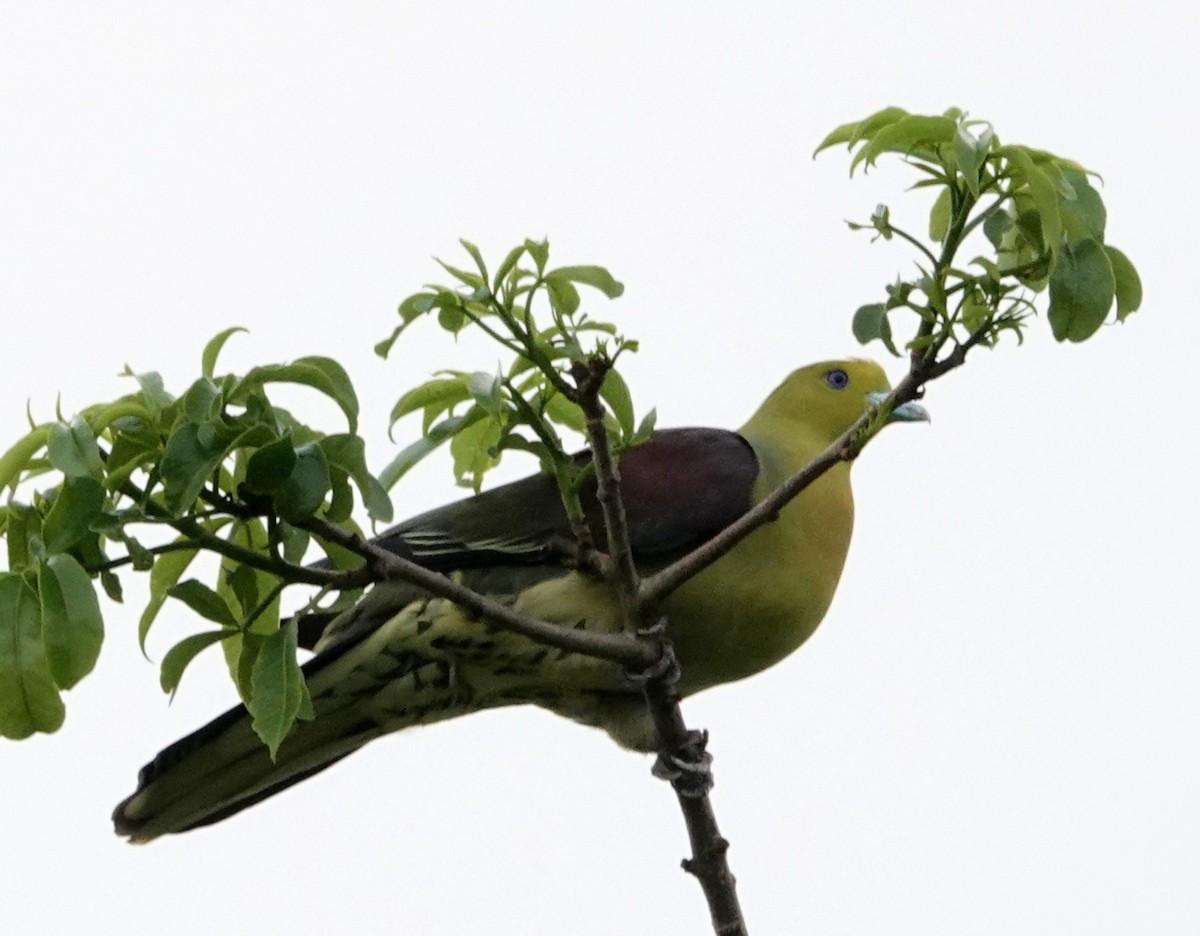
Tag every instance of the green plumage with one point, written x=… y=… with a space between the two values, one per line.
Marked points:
x=401 y=658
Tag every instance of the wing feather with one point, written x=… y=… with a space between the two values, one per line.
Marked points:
x=680 y=488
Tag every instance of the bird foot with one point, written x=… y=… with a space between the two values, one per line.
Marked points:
x=657 y=629
x=665 y=668
x=688 y=767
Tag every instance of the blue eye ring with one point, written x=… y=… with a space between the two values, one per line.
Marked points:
x=837 y=378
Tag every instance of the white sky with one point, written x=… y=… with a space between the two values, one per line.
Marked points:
x=995 y=729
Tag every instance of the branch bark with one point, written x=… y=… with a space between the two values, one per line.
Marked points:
x=682 y=758
x=619 y=648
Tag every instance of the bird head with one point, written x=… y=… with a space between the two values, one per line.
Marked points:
x=826 y=398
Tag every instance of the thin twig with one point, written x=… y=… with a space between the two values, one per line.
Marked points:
x=608 y=490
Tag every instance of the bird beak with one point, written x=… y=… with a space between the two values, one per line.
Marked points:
x=905 y=412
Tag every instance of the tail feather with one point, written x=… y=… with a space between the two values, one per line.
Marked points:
x=384 y=665
x=224 y=768
x=359 y=692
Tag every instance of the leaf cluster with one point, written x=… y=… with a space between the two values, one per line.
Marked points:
x=1042 y=221
x=148 y=482
x=534 y=313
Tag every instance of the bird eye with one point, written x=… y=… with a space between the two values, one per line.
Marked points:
x=838 y=379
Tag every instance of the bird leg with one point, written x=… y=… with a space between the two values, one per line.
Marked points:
x=664 y=670
x=683 y=759
x=688 y=767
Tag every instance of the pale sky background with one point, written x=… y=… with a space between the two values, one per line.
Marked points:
x=994 y=731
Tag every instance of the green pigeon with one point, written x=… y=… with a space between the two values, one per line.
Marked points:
x=401 y=657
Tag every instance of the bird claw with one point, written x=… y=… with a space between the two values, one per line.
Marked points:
x=665 y=668
x=689 y=767
x=657 y=629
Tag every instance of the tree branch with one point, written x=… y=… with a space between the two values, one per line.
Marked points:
x=382 y=565
x=684 y=761
x=624 y=574
x=682 y=758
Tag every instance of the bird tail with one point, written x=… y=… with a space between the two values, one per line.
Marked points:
x=223 y=768
x=358 y=694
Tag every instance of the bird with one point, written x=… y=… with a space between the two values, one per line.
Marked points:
x=402 y=657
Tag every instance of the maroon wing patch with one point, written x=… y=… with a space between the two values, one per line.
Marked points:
x=684 y=486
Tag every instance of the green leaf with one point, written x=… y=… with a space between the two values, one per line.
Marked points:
x=17 y=458
x=320 y=373
x=474 y=280
x=477 y=257
x=905 y=135
x=349 y=453
x=295 y=542
x=29 y=699
x=564 y=297
x=452 y=318
x=23 y=526
x=1128 y=283
x=1082 y=288
x=595 y=276
x=153 y=393
x=129 y=451
x=506 y=267
x=243 y=583
x=204 y=601
x=939 y=217
x=203 y=401
x=248 y=647
x=485 y=389
x=341 y=496
x=1042 y=192
x=975 y=310
x=378 y=503
x=970 y=154
x=852 y=133
x=189 y=460
x=996 y=225
x=278 y=690
x=384 y=348
x=871 y=322
x=79 y=503
x=559 y=409
x=437 y=434
x=251 y=533
x=1083 y=213
x=306 y=711
x=433 y=396
x=179 y=656
x=303 y=492
x=540 y=252
x=112 y=585
x=166 y=572
x=645 y=428
x=615 y=392
x=408 y=457
x=410 y=310
x=270 y=466
x=474 y=449
x=73 y=450
x=72 y=626
x=212 y=350
x=416 y=305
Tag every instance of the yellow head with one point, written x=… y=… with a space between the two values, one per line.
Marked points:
x=821 y=401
